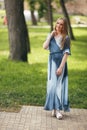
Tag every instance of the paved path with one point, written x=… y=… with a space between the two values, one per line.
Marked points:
x=35 y=118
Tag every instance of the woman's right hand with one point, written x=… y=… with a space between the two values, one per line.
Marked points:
x=59 y=71
x=46 y=43
x=53 y=33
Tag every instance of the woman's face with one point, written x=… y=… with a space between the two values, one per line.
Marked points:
x=59 y=25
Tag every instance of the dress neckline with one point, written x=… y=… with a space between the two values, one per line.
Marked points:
x=58 y=41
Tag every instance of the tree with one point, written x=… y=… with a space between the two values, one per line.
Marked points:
x=42 y=10
x=32 y=9
x=45 y=10
x=67 y=17
x=18 y=34
x=50 y=16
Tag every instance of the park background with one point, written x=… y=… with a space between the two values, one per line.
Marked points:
x=24 y=83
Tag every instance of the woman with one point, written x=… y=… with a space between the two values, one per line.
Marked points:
x=58 y=43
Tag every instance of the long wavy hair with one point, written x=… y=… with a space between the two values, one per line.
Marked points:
x=64 y=31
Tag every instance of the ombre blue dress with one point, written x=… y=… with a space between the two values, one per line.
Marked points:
x=57 y=86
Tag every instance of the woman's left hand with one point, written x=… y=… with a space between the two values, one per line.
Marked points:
x=59 y=71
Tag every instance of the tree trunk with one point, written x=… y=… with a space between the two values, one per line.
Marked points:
x=67 y=17
x=34 y=21
x=18 y=34
x=50 y=16
x=32 y=8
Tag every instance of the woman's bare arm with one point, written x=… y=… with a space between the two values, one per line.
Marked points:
x=59 y=70
x=46 y=43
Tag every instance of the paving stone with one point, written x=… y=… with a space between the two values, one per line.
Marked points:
x=36 y=118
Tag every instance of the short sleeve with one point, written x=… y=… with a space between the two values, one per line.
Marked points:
x=66 y=48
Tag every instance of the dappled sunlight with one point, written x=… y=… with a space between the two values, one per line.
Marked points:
x=6 y=53
x=24 y=83
x=78 y=87
x=38 y=54
x=77 y=65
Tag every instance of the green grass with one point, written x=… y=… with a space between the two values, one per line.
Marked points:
x=25 y=83
x=78 y=70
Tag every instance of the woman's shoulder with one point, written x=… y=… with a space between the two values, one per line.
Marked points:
x=67 y=41
x=67 y=37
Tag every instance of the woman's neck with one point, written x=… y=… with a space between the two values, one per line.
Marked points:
x=58 y=33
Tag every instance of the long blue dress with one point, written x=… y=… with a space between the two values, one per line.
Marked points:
x=57 y=86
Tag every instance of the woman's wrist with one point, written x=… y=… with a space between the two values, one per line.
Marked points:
x=61 y=67
x=50 y=36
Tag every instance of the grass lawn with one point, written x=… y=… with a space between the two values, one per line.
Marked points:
x=25 y=83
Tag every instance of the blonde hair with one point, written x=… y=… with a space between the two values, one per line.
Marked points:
x=64 y=31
